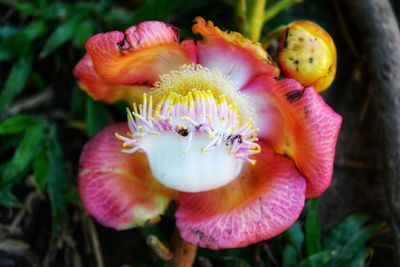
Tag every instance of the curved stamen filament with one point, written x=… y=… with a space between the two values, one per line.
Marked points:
x=187 y=115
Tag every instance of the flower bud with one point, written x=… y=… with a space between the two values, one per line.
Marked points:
x=307 y=53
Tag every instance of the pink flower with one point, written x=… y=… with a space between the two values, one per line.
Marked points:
x=211 y=128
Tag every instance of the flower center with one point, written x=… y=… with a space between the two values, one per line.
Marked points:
x=195 y=139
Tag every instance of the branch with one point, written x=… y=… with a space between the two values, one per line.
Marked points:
x=379 y=42
x=184 y=253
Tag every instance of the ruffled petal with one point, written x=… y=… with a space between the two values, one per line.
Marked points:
x=118 y=189
x=261 y=203
x=231 y=53
x=91 y=82
x=139 y=55
x=297 y=122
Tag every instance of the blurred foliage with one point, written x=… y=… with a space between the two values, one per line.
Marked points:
x=45 y=118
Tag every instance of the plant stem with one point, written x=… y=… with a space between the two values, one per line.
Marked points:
x=241 y=15
x=184 y=253
x=159 y=248
x=256 y=21
x=273 y=35
x=277 y=8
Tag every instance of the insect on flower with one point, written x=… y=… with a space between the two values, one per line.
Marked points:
x=210 y=127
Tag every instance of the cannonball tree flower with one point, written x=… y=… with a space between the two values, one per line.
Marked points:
x=210 y=127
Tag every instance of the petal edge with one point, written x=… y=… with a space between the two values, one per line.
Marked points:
x=118 y=189
x=308 y=130
x=271 y=197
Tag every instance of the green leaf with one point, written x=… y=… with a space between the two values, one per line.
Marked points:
x=17 y=124
x=41 y=170
x=61 y=35
x=24 y=155
x=6 y=31
x=290 y=256
x=15 y=82
x=295 y=236
x=6 y=54
x=82 y=33
x=8 y=143
x=235 y=262
x=349 y=238
x=154 y=10
x=7 y=198
x=22 y=41
x=118 y=14
x=97 y=116
x=72 y=196
x=317 y=260
x=78 y=100
x=26 y=8
x=55 y=11
x=339 y=236
x=38 y=81
x=34 y=31
x=359 y=259
x=313 y=238
x=57 y=180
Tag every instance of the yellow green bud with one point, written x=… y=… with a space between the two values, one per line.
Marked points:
x=307 y=53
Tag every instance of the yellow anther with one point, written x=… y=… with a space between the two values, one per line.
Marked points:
x=155 y=133
x=250 y=122
x=171 y=97
x=124 y=145
x=157 y=110
x=120 y=137
x=254 y=130
x=253 y=162
x=135 y=110
x=128 y=114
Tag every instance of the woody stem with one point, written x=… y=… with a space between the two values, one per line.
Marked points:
x=184 y=253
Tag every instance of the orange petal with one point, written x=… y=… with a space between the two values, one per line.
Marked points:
x=231 y=53
x=139 y=55
x=91 y=82
x=299 y=124
x=118 y=189
x=262 y=202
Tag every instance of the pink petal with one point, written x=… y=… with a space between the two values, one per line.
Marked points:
x=118 y=189
x=231 y=53
x=299 y=124
x=190 y=47
x=139 y=55
x=261 y=203
x=98 y=88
